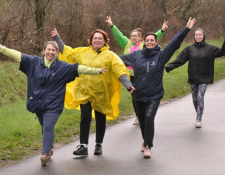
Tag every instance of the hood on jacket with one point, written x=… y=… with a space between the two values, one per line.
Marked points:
x=202 y=43
x=150 y=52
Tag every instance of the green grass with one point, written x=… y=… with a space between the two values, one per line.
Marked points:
x=20 y=132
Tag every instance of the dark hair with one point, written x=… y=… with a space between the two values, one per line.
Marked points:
x=150 y=33
x=138 y=30
x=105 y=36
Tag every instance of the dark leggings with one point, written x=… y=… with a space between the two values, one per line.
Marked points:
x=146 y=112
x=135 y=110
x=198 y=93
x=86 y=117
x=47 y=121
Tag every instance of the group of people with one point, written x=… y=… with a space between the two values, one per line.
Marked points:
x=100 y=72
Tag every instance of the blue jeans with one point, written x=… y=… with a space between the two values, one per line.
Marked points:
x=47 y=121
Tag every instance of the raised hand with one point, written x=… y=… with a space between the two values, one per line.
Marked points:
x=165 y=25
x=102 y=70
x=191 y=22
x=54 y=32
x=109 y=21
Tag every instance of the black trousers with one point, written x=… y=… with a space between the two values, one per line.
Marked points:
x=135 y=110
x=85 y=122
x=146 y=112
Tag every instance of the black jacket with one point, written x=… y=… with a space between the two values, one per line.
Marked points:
x=201 y=59
x=46 y=86
x=148 y=66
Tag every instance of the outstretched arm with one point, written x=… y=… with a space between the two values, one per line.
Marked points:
x=90 y=71
x=11 y=53
x=182 y=58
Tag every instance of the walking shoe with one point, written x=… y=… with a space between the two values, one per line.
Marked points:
x=98 y=149
x=198 y=124
x=147 y=152
x=136 y=122
x=81 y=151
x=142 y=147
x=44 y=159
x=50 y=154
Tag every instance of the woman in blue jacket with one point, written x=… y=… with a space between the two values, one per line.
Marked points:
x=201 y=57
x=46 y=84
x=148 y=65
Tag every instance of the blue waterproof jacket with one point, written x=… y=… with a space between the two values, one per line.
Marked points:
x=46 y=86
x=148 y=65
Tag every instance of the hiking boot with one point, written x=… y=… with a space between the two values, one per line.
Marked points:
x=142 y=147
x=198 y=124
x=136 y=122
x=81 y=151
x=147 y=152
x=44 y=159
x=98 y=149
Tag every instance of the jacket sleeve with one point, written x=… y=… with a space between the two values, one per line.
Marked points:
x=159 y=34
x=174 y=44
x=182 y=58
x=11 y=53
x=59 y=42
x=128 y=59
x=120 y=38
x=218 y=52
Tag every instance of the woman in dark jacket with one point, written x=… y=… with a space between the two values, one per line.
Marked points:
x=201 y=57
x=47 y=78
x=148 y=65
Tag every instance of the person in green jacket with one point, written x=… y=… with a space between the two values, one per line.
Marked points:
x=130 y=45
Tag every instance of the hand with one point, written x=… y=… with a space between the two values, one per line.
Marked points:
x=131 y=89
x=102 y=70
x=165 y=26
x=109 y=21
x=54 y=33
x=191 y=22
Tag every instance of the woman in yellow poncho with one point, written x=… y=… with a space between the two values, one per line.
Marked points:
x=102 y=93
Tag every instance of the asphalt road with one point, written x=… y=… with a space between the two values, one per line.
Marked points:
x=179 y=148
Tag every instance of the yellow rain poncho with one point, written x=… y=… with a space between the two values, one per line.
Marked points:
x=103 y=91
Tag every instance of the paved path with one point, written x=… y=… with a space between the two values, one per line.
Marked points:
x=179 y=148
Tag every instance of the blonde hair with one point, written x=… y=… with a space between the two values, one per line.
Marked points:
x=53 y=43
x=138 y=30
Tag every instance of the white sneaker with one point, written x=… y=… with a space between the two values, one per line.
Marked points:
x=198 y=124
x=136 y=122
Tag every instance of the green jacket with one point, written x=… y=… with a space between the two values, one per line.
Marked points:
x=125 y=43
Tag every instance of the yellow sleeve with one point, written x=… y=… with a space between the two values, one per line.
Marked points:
x=70 y=55
x=11 y=53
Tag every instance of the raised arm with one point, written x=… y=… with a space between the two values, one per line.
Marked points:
x=11 y=53
x=175 y=43
x=56 y=37
x=120 y=38
x=160 y=32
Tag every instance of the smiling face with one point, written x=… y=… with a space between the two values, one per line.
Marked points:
x=98 y=41
x=50 y=52
x=199 y=36
x=134 y=37
x=151 y=42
